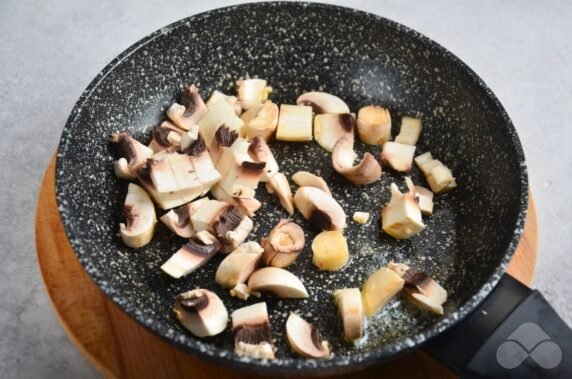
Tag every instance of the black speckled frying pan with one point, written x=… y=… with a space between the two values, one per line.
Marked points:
x=298 y=47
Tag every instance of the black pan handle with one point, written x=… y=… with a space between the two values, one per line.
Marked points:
x=513 y=333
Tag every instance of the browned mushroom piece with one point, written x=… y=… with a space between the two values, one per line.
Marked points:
x=283 y=245
x=260 y=152
x=304 y=338
x=224 y=137
x=190 y=110
x=278 y=185
x=133 y=155
x=201 y=312
x=307 y=179
x=330 y=128
x=191 y=256
x=423 y=291
x=232 y=228
x=178 y=220
x=322 y=102
x=217 y=96
x=322 y=210
x=261 y=120
x=252 y=92
x=350 y=308
x=140 y=219
x=374 y=125
x=248 y=205
x=366 y=172
x=166 y=136
x=252 y=333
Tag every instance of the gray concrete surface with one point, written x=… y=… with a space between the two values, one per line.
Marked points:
x=50 y=51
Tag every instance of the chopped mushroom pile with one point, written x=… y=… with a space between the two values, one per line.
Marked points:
x=203 y=167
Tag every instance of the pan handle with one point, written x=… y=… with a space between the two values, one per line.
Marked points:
x=513 y=333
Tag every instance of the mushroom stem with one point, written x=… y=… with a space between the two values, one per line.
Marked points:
x=283 y=245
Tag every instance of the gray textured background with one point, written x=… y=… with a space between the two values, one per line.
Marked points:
x=50 y=51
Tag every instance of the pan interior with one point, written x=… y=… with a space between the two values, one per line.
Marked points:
x=296 y=47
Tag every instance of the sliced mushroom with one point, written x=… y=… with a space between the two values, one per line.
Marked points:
x=224 y=137
x=398 y=156
x=307 y=179
x=322 y=102
x=166 y=200
x=201 y=312
x=191 y=109
x=366 y=172
x=283 y=245
x=423 y=291
x=278 y=185
x=246 y=204
x=260 y=152
x=178 y=220
x=350 y=308
x=205 y=217
x=203 y=166
x=304 y=338
x=166 y=137
x=277 y=281
x=139 y=214
x=173 y=173
x=425 y=200
x=439 y=176
x=188 y=139
x=374 y=125
x=410 y=131
x=261 y=120
x=238 y=265
x=252 y=334
x=133 y=155
x=190 y=257
x=401 y=218
x=240 y=173
x=294 y=123
x=322 y=210
x=379 y=288
x=232 y=228
x=217 y=96
x=330 y=128
x=221 y=113
x=252 y=92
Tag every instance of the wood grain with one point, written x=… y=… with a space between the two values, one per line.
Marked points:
x=118 y=347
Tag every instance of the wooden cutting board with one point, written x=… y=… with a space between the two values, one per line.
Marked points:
x=118 y=347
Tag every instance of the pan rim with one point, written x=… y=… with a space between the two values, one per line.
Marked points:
x=215 y=354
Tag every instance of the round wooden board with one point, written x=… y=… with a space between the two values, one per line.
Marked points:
x=118 y=347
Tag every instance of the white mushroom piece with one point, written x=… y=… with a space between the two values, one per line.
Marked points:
x=166 y=137
x=191 y=109
x=439 y=176
x=217 y=96
x=283 y=245
x=278 y=282
x=307 y=179
x=203 y=166
x=424 y=292
x=330 y=128
x=231 y=228
x=304 y=338
x=320 y=209
x=425 y=199
x=224 y=137
x=367 y=171
x=410 y=131
x=201 y=312
x=133 y=155
x=192 y=255
x=220 y=114
x=139 y=215
x=261 y=120
x=252 y=92
x=248 y=205
x=322 y=102
x=238 y=265
x=350 y=309
x=374 y=125
x=379 y=288
x=398 y=156
x=260 y=152
x=252 y=333
x=279 y=186
x=294 y=123
x=178 y=220
x=401 y=217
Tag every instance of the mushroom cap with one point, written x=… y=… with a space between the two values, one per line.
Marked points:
x=232 y=228
x=307 y=179
x=330 y=128
x=201 y=312
x=278 y=184
x=277 y=281
x=283 y=245
x=366 y=172
x=238 y=265
x=320 y=209
x=305 y=339
x=322 y=102
x=139 y=213
x=190 y=110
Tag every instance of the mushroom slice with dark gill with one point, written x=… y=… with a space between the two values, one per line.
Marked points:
x=350 y=309
x=178 y=220
x=221 y=113
x=322 y=210
x=283 y=245
x=307 y=179
x=278 y=282
x=201 y=312
x=237 y=266
x=191 y=109
x=304 y=338
x=252 y=333
x=330 y=128
x=279 y=186
x=232 y=228
x=224 y=137
x=322 y=102
x=366 y=172
x=423 y=291
x=140 y=219
x=166 y=137
x=260 y=152
x=133 y=155
x=191 y=256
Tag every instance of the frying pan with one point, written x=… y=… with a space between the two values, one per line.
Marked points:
x=298 y=47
